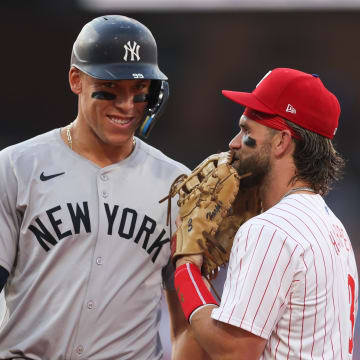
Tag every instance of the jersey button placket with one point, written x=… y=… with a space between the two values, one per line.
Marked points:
x=104 y=178
x=79 y=349
x=90 y=305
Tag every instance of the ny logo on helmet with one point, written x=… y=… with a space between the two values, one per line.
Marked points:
x=133 y=50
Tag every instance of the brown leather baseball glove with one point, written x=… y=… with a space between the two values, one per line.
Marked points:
x=211 y=209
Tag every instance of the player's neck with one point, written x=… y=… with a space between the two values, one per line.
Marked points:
x=277 y=184
x=88 y=145
x=273 y=193
x=105 y=155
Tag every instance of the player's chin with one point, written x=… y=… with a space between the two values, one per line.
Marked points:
x=120 y=134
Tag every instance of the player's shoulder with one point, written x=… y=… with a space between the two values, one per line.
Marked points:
x=30 y=147
x=261 y=224
x=259 y=231
x=291 y=218
x=160 y=159
x=267 y=224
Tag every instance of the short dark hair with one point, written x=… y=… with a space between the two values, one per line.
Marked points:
x=316 y=160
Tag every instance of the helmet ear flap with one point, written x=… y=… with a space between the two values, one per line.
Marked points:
x=157 y=100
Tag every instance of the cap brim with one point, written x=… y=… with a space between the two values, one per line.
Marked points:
x=248 y=100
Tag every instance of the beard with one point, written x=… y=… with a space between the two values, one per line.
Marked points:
x=257 y=164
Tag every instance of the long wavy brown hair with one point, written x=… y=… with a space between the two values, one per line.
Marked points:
x=316 y=160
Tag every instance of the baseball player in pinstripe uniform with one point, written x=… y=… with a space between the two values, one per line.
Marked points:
x=292 y=285
x=84 y=244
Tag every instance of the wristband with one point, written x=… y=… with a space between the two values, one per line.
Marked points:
x=191 y=289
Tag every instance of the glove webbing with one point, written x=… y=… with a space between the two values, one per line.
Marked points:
x=172 y=192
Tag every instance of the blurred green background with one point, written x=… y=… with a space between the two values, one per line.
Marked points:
x=202 y=52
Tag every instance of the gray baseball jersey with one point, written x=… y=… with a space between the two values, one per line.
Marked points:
x=86 y=248
x=3 y=311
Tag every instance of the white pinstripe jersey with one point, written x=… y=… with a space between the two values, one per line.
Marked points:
x=292 y=280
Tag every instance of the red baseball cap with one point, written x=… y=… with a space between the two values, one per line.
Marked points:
x=296 y=96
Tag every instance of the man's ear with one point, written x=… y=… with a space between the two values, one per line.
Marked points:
x=75 y=80
x=283 y=143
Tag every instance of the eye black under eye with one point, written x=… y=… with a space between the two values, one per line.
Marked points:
x=103 y=95
x=249 y=141
x=141 y=98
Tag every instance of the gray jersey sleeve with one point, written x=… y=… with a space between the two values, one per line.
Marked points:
x=10 y=214
x=3 y=310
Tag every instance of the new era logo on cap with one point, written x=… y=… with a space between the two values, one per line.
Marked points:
x=295 y=96
x=290 y=109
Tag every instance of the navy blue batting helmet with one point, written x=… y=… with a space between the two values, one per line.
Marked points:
x=116 y=47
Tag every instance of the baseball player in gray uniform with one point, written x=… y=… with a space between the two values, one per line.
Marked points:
x=84 y=245
x=2 y=308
